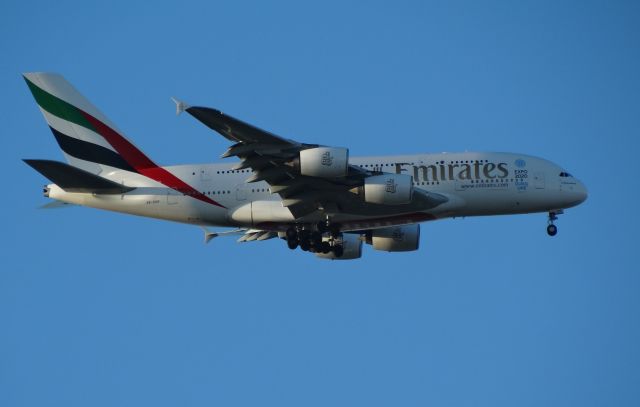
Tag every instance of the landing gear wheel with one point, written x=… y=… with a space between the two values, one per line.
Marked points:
x=304 y=239
x=305 y=245
x=292 y=234
x=325 y=247
x=292 y=244
x=552 y=230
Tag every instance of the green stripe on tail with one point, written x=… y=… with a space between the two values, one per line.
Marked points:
x=58 y=107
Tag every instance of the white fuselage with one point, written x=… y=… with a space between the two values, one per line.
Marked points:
x=475 y=184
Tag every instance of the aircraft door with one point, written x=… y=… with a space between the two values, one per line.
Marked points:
x=241 y=192
x=172 y=197
x=538 y=180
x=205 y=174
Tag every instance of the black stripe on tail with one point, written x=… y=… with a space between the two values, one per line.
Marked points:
x=87 y=151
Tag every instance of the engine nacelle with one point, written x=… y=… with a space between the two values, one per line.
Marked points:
x=388 y=189
x=325 y=162
x=396 y=238
x=352 y=249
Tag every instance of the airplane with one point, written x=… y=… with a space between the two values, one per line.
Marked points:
x=314 y=197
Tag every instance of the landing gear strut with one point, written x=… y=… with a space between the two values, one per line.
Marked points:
x=552 y=229
x=338 y=250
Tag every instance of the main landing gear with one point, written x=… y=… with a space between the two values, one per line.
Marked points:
x=311 y=240
x=552 y=229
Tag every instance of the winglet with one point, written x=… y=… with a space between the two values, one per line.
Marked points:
x=180 y=106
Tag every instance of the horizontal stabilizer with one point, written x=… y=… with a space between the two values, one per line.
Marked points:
x=73 y=179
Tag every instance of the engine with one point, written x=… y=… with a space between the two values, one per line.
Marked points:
x=388 y=189
x=325 y=162
x=352 y=245
x=396 y=238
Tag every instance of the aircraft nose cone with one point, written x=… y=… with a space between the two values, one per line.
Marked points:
x=574 y=194
x=581 y=192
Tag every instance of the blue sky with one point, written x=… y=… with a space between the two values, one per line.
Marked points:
x=105 y=309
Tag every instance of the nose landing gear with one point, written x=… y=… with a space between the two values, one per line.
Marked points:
x=552 y=229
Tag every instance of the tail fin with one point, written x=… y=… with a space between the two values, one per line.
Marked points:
x=89 y=140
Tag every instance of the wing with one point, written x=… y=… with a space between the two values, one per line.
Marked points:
x=276 y=160
x=236 y=130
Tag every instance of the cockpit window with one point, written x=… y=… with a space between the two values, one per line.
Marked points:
x=565 y=174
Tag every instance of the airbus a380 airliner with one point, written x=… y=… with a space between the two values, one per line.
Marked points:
x=314 y=197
